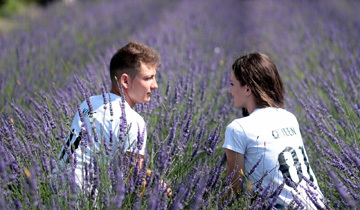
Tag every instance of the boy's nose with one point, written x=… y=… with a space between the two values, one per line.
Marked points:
x=154 y=85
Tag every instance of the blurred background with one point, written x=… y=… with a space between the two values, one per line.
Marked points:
x=53 y=54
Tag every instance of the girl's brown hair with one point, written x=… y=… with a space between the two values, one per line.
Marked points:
x=259 y=72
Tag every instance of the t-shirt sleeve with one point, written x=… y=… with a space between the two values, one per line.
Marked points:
x=235 y=139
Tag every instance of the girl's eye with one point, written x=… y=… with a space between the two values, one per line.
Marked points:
x=231 y=84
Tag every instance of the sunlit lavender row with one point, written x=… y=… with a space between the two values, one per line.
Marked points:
x=51 y=62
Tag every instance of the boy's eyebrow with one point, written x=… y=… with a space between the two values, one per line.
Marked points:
x=148 y=66
x=148 y=75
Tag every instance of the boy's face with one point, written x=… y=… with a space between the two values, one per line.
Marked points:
x=140 y=88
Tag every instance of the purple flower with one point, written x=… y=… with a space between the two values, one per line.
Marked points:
x=213 y=140
x=275 y=195
x=199 y=194
x=342 y=190
x=140 y=137
x=123 y=121
x=84 y=129
x=107 y=149
x=111 y=109
x=103 y=92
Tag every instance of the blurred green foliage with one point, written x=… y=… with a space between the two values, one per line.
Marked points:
x=10 y=7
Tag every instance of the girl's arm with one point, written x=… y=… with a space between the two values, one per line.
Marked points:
x=235 y=161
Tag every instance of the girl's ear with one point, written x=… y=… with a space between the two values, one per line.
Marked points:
x=248 y=90
x=125 y=81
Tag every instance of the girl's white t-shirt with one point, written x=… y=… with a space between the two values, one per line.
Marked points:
x=272 y=135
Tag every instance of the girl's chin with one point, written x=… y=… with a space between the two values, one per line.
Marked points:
x=238 y=107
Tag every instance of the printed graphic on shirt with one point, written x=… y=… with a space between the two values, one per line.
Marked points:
x=74 y=146
x=71 y=134
x=86 y=113
x=282 y=132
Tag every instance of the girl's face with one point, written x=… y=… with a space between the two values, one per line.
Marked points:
x=238 y=92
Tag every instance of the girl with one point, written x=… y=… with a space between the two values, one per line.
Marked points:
x=266 y=144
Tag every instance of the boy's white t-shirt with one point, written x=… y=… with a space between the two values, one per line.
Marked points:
x=273 y=135
x=133 y=140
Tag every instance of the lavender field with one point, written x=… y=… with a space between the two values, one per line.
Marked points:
x=53 y=59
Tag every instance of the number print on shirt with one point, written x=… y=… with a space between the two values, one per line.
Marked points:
x=307 y=164
x=290 y=165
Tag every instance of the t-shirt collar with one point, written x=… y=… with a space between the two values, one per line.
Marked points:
x=116 y=97
x=257 y=109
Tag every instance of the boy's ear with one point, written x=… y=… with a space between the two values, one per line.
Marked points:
x=125 y=81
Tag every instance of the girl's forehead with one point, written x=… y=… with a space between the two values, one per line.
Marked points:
x=232 y=75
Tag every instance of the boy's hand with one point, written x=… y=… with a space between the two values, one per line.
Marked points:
x=162 y=183
x=165 y=188
x=148 y=172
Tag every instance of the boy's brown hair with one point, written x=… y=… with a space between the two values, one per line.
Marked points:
x=128 y=60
